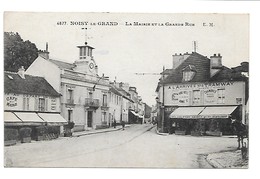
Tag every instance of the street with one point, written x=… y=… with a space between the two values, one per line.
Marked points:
x=137 y=146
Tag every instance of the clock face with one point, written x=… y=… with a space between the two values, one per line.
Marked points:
x=91 y=66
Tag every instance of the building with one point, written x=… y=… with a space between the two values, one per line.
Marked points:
x=119 y=102
x=30 y=101
x=84 y=92
x=136 y=109
x=199 y=95
x=147 y=113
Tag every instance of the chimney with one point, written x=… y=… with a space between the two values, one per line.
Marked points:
x=215 y=64
x=21 y=72
x=44 y=53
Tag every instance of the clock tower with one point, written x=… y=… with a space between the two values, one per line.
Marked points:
x=86 y=62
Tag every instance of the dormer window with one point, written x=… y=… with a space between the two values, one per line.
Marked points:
x=188 y=73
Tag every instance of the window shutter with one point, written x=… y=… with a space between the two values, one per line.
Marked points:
x=36 y=104
x=190 y=98
x=201 y=97
x=46 y=104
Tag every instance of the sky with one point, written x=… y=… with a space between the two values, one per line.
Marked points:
x=121 y=49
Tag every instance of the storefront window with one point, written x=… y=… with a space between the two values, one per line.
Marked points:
x=196 y=96
x=221 y=96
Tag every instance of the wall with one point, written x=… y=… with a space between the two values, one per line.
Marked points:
x=183 y=94
x=46 y=69
x=114 y=108
x=81 y=91
x=125 y=110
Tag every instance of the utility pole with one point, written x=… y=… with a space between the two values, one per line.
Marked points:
x=162 y=107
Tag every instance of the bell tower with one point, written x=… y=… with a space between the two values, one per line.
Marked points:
x=86 y=62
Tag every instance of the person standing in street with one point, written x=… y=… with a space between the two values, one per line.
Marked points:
x=114 y=123
x=123 y=125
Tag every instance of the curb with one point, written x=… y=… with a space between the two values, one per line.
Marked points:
x=98 y=132
x=159 y=133
x=213 y=163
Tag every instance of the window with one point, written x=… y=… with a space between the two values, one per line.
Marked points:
x=221 y=96
x=104 y=102
x=70 y=96
x=104 y=117
x=82 y=53
x=89 y=52
x=25 y=103
x=196 y=96
x=188 y=75
x=90 y=95
x=41 y=106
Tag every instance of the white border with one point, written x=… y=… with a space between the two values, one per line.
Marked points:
x=150 y=6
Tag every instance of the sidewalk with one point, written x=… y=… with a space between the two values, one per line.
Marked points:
x=228 y=159
x=98 y=131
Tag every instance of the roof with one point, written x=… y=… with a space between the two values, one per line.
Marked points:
x=201 y=65
x=114 y=90
x=194 y=61
x=117 y=91
x=63 y=65
x=33 y=85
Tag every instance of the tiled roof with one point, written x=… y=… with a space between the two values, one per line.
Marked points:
x=196 y=61
x=63 y=65
x=33 y=85
x=225 y=74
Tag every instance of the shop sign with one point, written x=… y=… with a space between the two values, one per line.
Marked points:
x=183 y=97
x=11 y=101
x=210 y=95
x=201 y=85
x=175 y=98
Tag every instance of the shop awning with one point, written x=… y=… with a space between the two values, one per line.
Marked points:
x=217 y=112
x=53 y=119
x=29 y=118
x=186 y=112
x=11 y=119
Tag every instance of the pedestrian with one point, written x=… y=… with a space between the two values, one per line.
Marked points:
x=114 y=123
x=123 y=125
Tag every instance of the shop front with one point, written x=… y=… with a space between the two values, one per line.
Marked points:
x=210 y=120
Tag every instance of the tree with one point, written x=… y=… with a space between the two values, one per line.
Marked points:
x=17 y=52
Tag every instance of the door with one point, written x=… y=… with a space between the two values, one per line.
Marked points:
x=90 y=118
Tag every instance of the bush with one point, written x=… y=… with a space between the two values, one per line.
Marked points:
x=53 y=130
x=10 y=134
x=25 y=132
x=41 y=130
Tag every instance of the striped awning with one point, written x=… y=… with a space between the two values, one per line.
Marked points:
x=53 y=119
x=11 y=119
x=186 y=112
x=27 y=117
x=217 y=112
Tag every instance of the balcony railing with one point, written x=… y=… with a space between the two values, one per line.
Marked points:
x=70 y=101
x=104 y=105
x=90 y=102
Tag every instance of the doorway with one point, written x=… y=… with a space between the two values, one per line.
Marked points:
x=90 y=119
